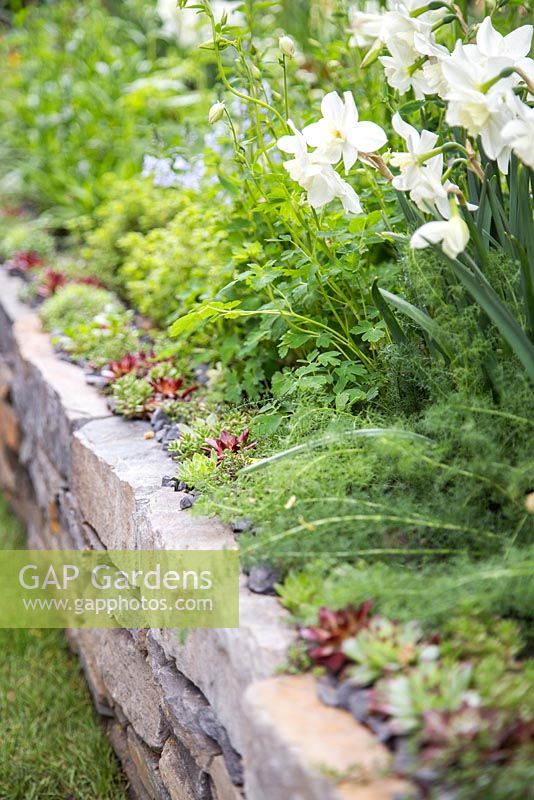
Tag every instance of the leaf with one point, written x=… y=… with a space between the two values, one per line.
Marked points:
x=204 y=313
x=397 y=334
x=266 y=424
x=411 y=107
x=292 y=340
x=423 y=320
x=490 y=302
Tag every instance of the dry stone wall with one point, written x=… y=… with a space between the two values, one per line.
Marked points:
x=205 y=718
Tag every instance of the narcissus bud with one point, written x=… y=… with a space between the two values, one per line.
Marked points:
x=287 y=46
x=215 y=113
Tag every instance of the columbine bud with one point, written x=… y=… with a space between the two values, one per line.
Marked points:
x=287 y=46
x=215 y=113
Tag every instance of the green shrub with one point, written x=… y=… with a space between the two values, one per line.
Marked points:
x=168 y=270
x=76 y=304
x=129 y=205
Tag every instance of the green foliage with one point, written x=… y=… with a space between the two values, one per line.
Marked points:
x=130 y=395
x=24 y=235
x=200 y=471
x=76 y=304
x=132 y=204
x=168 y=270
x=385 y=647
x=432 y=595
x=90 y=324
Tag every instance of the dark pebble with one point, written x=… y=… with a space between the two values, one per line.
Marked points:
x=241 y=525
x=187 y=501
x=261 y=580
x=161 y=433
x=202 y=374
x=381 y=729
x=171 y=434
x=98 y=381
x=169 y=480
x=159 y=419
x=405 y=759
x=327 y=691
x=354 y=699
x=427 y=777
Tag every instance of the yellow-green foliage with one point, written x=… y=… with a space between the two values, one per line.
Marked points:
x=168 y=270
x=130 y=205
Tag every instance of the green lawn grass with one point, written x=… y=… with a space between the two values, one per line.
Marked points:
x=52 y=745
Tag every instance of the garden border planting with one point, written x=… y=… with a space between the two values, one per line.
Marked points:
x=205 y=718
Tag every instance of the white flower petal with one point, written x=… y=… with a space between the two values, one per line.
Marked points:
x=367 y=137
x=315 y=133
x=350 y=114
x=333 y=108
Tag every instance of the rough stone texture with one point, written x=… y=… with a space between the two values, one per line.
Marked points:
x=134 y=510
x=147 y=765
x=85 y=644
x=291 y=734
x=222 y=663
x=130 y=683
x=9 y=426
x=175 y=709
x=181 y=775
x=221 y=784
x=119 y=742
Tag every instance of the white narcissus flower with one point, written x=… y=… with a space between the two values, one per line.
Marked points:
x=453 y=235
x=315 y=174
x=478 y=99
x=422 y=179
x=519 y=134
x=339 y=134
x=515 y=46
x=398 y=68
x=417 y=145
x=432 y=70
x=480 y=110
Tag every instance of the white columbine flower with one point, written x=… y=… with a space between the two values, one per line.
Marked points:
x=519 y=134
x=339 y=134
x=315 y=174
x=365 y=26
x=186 y=26
x=453 y=235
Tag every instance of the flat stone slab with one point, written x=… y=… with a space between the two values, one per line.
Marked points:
x=290 y=733
x=116 y=477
